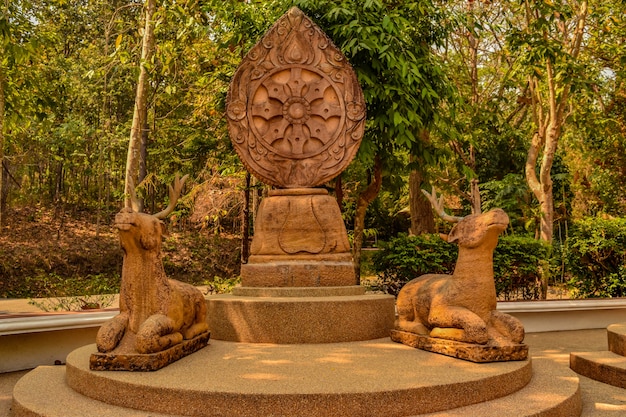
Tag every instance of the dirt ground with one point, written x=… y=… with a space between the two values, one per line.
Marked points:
x=43 y=252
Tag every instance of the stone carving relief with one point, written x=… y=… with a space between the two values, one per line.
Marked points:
x=295 y=111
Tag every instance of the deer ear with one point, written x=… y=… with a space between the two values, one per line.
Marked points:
x=164 y=231
x=455 y=234
x=443 y=237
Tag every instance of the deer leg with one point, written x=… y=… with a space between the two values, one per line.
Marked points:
x=408 y=318
x=508 y=326
x=199 y=325
x=111 y=332
x=157 y=334
x=457 y=323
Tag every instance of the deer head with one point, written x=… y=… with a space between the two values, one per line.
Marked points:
x=142 y=231
x=473 y=230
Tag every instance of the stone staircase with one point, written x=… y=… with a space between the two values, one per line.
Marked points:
x=605 y=366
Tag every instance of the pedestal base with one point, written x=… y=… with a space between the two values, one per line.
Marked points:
x=147 y=362
x=467 y=351
x=300 y=315
x=327 y=271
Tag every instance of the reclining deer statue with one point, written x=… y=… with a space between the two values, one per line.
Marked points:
x=155 y=312
x=461 y=306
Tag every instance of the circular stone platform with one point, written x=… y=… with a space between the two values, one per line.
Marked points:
x=376 y=377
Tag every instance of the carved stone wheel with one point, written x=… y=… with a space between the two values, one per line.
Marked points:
x=295 y=110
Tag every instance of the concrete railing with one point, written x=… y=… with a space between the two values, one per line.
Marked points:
x=33 y=340
x=27 y=342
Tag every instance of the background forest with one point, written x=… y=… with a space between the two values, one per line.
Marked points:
x=511 y=104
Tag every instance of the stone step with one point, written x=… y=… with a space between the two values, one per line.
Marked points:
x=372 y=378
x=553 y=392
x=322 y=316
x=616 y=335
x=603 y=366
x=44 y=392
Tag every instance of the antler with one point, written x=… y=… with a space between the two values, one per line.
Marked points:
x=438 y=206
x=132 y=202
x=174 y=195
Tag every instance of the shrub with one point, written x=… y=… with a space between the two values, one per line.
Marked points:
x=518 y=263
x=405 y=257
x=595 y=257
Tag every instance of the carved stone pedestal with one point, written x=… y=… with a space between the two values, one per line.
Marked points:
x=299 y=283
x=299 y=241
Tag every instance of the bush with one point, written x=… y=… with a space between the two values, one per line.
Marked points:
x=595 y=258
x=406 y=257
x=518 y=263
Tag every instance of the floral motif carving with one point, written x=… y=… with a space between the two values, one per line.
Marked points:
x=295 y=110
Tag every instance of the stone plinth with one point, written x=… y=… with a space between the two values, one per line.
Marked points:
x=300 y=315
x=300 y=240
x=372 y=378
x=467 y=351
x=147 y=362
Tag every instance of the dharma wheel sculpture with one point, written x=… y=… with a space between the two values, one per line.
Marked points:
x=296 y=116
x=296 y=112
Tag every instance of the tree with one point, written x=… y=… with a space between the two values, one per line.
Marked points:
x=18 y=44
x=389 y=44
x=141 y=104
x=550 y=41
x=595 y=146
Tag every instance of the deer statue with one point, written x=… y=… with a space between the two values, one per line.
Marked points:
x=461 y=306
x=155 y=312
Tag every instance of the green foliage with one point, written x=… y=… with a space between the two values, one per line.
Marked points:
x=389 y=44
x=72 y=294
x=406 y=257
x=518 y=264
x=74 y=303
x=219 y=285
x=595 y=257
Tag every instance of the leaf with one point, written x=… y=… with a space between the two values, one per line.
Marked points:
x=118 y=41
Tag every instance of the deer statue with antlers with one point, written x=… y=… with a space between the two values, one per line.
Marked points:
x=461 y=307
x=156 y=313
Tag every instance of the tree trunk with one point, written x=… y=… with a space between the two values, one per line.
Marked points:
x=549 y=117
x=339 y=192
x=143 y=156
x=141 y=102
x=422 y=220
x=245 y=222
x=364 y=200
x=2 y=200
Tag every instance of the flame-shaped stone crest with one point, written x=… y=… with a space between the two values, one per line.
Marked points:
x=295 y=110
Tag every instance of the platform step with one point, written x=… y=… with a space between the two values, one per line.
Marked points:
x=603 y=366
x=44 y=392
x=374 y=378
x=616 y=335
x=553 y=392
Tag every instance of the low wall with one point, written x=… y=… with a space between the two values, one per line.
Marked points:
x=27 y=342
x=30 y=341
x=561 y=315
